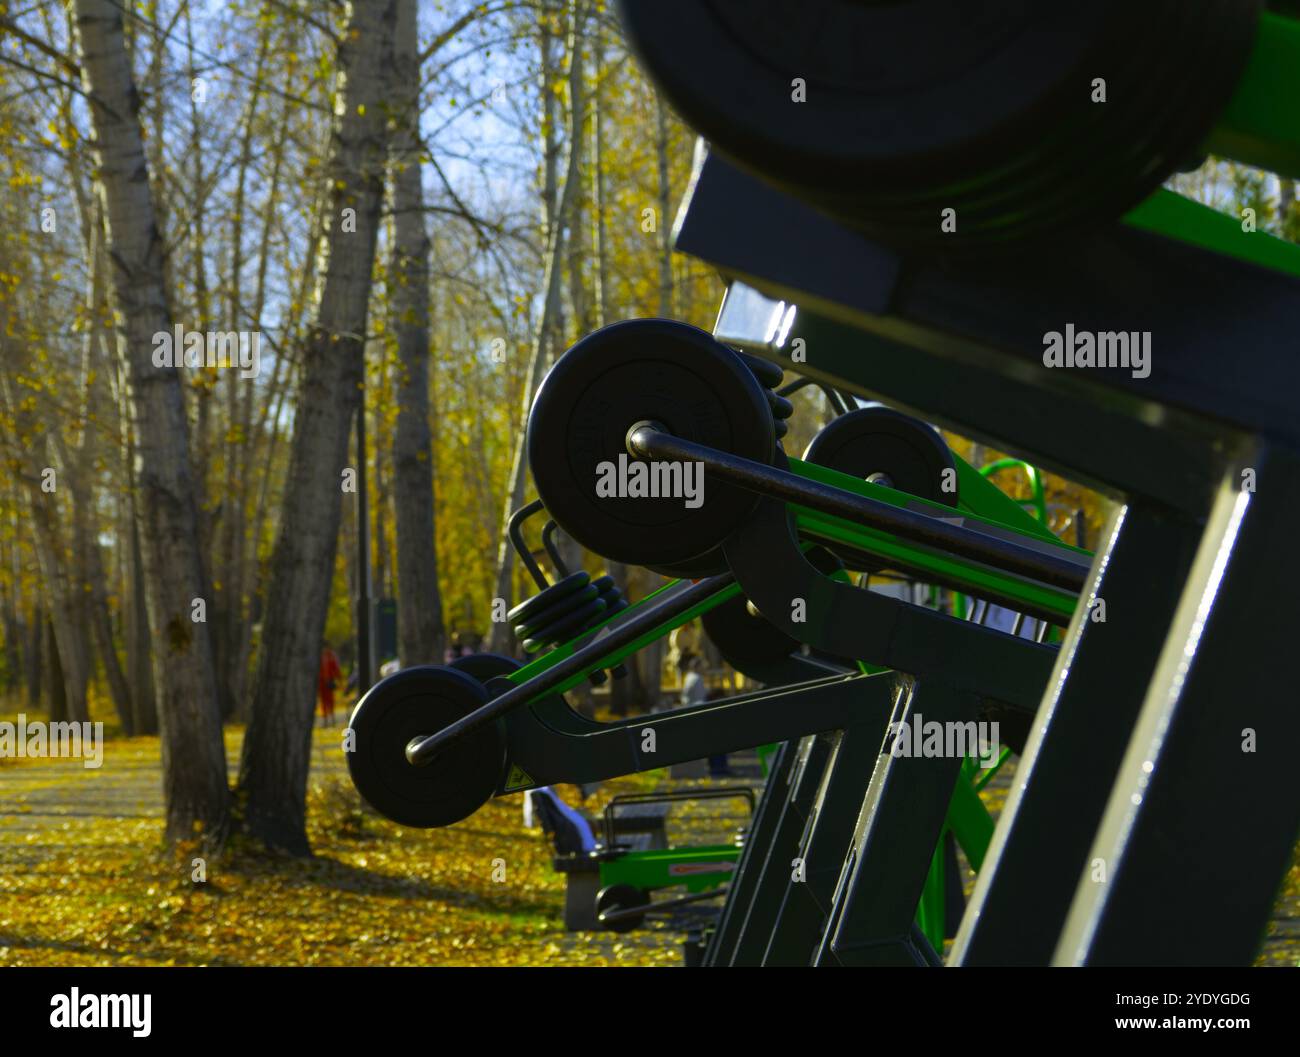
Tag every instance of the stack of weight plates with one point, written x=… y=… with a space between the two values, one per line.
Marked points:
x=913 y=107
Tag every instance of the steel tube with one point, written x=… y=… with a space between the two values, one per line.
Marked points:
x=647 y=441
x=421 y=752
x=663 y=904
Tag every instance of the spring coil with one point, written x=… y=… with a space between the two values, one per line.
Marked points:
x=565 y=609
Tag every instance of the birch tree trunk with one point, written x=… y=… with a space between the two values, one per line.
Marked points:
x=32 y=655
x=44 y=483
x=622 y=692
x=228 y=618
x=97 y=348
x=277 y=748
x=419 y=603
x=552 y=283
x=420 y=631
x=139 y=650
x=13 y=636
x=90 y=607
x=91 y=563
x=54 y=667
x=652 y=658
x=246 y=568
x=193 y=754
x=135 y=611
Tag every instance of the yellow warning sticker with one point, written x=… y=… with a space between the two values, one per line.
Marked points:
x=517 y=779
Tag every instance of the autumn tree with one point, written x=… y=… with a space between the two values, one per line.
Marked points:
x=193 y=755
x=272 y=784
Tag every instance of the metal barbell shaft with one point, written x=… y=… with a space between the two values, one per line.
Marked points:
x=649 y=442
x=664 y=904
x=646 y=441
x=421 y=752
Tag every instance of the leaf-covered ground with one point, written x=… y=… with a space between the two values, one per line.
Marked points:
x=82 y=881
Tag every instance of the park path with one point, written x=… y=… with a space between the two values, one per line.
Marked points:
x=127 y=785
x=41 y=799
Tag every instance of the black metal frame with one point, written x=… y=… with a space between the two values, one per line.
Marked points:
x=749 y=916
x=1058 y=568
x=807 y=897
x=1023 y=893
x=671 y=796
x=1191 y=821
x=1139 y=805
x=552 y=743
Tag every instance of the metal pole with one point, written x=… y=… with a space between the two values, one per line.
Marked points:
x=663 y=904
x=365 y=653
x=650 y=441
x=676 y=602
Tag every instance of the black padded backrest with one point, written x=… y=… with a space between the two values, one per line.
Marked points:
x=555 y=824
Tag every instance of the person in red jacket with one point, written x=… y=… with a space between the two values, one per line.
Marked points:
x=329 y=674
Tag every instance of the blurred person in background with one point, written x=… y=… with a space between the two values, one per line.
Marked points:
x=330 y=673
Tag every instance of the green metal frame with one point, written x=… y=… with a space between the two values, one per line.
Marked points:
x=1037 y=494
x=1172 y=216
x=661 y=868
x=1259 y=127
x=1037 y=499
x=1261 y=124
x=970 y=822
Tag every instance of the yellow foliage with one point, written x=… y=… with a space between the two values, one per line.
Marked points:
x=95 y=891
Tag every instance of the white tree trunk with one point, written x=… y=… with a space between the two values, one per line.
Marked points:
x=277 y=748
x=419 y=614
x=552 y=283
x=193 y=754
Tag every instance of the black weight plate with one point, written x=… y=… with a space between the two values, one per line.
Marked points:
x=920 y=105
x=880 y=440
x=622 y=897
x=411 y=704
x=751 y=644
x=645 y=370
x=874 y=440
x=485 y=666
x=545 y=599
x=707 y=564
